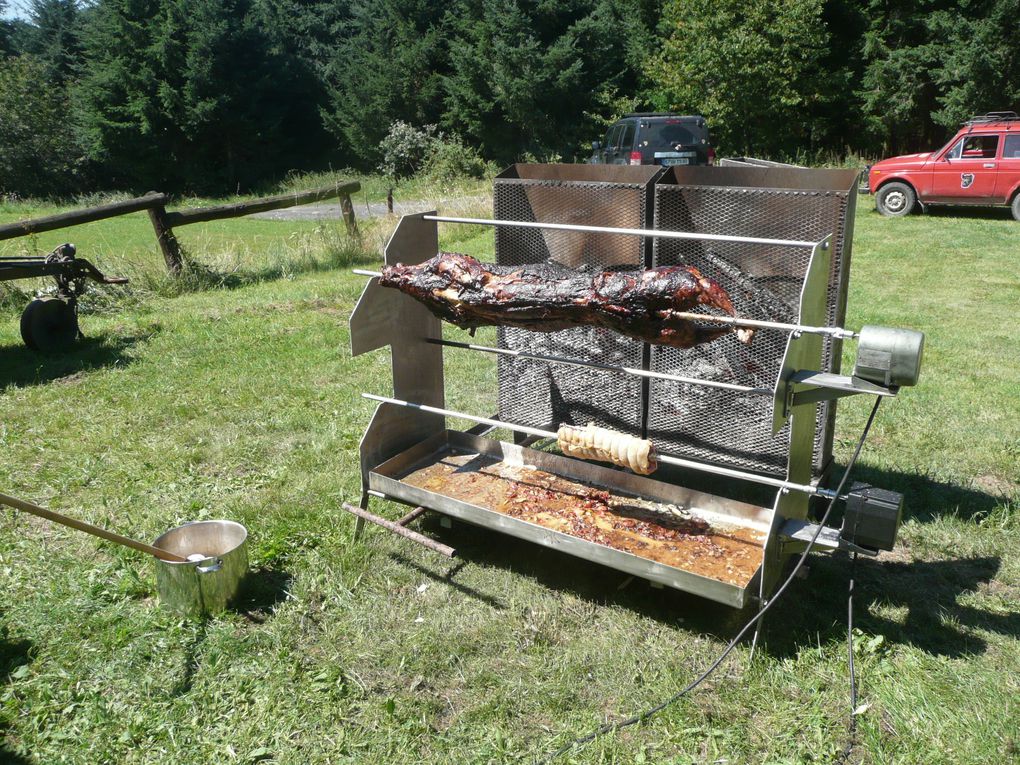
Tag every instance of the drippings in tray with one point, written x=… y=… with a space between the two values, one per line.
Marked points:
x=663 y=533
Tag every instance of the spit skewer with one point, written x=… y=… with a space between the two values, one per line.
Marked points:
x=664 y=459
x=626 y=231
x=732 y=321
x=606 y=367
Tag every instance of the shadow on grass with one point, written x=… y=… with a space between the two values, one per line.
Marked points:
x=923 y=596
x=260 y=591
x=13 y=654
x=448 y=579
x=966 y=211
x=263 y=589
x=21 y=367
x=191 y=657
x=926 y=499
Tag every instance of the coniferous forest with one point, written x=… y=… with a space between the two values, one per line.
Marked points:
x=214 y=96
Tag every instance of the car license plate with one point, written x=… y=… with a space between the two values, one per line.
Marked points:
x=667 y=161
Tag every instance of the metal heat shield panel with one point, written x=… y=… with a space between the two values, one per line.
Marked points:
x=764 y=282
x=544 y=395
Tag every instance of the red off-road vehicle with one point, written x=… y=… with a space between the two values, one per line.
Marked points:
x=979 y=166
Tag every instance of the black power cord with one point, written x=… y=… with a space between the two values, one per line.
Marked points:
x=642 y=716
x=851 y=733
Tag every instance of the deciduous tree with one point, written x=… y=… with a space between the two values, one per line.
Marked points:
x=38 y=155
x=753 y=70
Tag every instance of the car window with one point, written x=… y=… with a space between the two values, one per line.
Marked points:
x=628 y=137
x=979 y=147
x=1011 y=147
x=613 y=136
x=669 y=133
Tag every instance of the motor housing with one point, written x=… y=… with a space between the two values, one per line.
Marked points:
x=872 y=517
x=889 y=356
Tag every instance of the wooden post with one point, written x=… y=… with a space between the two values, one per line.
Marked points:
x=347 y=210
x=389 y=200
x=167 y=241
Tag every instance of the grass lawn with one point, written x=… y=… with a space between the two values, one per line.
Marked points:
x=237 y=398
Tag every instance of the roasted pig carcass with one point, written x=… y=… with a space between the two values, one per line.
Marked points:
x=546 y=297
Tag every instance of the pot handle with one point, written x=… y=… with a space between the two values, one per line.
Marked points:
x=215 y=564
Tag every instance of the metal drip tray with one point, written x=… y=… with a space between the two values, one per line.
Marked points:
x=682 y=538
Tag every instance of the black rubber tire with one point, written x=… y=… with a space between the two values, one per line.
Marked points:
x=1016 y=207
x=49 y=324
x=895 y=200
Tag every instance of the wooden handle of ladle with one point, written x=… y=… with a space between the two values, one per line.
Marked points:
x=88 y=528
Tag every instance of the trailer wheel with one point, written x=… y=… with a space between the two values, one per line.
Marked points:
x=895 y=199
x=49 y=324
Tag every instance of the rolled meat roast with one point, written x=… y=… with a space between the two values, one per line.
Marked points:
x=545 y=297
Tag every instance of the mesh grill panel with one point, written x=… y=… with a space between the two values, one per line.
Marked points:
x=764 y=282
x=540 y=394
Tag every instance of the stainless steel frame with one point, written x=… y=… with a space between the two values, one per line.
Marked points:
x=411 y=425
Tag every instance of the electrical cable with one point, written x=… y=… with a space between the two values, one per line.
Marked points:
x=642 y=716
x=851 y=735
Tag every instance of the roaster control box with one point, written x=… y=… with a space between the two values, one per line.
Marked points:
x=872 y=517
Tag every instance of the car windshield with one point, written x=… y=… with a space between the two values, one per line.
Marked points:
x=670 y=133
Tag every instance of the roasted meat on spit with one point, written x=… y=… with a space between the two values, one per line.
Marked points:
x=545 y=297
x=595 y=443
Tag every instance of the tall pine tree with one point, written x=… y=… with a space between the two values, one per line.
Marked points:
x=38 y=156
x=536 y=76
x=387 y=64
x=5 y=31
x=191 y=94
x=54 y=37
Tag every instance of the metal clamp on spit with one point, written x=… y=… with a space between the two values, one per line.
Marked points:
x=657 y=529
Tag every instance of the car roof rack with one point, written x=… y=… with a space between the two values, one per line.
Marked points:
x=983 y=119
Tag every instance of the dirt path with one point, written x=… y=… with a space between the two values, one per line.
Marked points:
x=331 y=210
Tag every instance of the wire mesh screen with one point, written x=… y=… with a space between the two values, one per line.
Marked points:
x=538 y=393
x=764 y=282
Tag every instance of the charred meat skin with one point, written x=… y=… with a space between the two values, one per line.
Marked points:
x=546 y=298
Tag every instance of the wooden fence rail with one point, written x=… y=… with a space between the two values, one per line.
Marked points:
x=76 y=217
x=163 y=222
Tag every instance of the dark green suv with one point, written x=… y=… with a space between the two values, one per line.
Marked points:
x=655 y=138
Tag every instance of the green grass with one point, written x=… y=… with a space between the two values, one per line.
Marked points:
x=241 y=402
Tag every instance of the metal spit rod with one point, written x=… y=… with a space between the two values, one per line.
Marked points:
x=705 y=467
x=732 y=321
x=661 y=234
x=606 y=367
